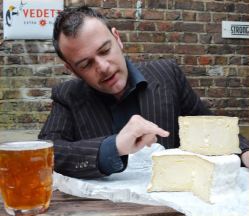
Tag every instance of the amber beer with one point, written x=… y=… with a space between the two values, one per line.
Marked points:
x=26 y=176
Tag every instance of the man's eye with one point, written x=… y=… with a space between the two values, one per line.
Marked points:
x=85 y=65
x=105 y=51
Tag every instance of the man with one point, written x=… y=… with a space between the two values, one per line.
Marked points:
x=115 y=107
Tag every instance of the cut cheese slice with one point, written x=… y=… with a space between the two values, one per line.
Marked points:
x=209 y=135
x=211 y=178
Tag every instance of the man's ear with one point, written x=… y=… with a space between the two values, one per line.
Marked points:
x=70 y=70
x=68 y=67
x=117 y=37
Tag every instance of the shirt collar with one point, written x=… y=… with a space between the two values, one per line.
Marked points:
x=135 y=81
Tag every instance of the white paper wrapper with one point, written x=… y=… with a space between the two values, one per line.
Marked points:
x=131 y=186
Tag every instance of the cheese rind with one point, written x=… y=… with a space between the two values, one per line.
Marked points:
x=210 y=178
x=209 y=135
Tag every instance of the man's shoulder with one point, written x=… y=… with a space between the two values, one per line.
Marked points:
x=161 y=69
x=70 y=89
x=156 y=63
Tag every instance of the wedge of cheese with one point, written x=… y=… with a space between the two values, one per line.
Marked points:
x=209 y=135
x=211 y=178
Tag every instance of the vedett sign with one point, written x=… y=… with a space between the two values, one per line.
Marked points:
x=38 y=13
x=30 y=19
x=232 y=29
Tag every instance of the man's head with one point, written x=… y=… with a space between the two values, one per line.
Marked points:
x=91 y=49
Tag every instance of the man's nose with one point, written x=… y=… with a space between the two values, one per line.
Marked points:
x=102 y=65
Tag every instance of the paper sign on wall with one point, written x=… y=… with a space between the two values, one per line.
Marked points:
x=30 y=19
x=235 y=29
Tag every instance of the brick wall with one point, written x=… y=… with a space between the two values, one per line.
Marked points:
x=188 y=31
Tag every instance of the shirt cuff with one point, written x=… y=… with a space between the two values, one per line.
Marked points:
x=109 y=161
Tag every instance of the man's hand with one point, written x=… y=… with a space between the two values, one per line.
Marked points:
x=245 y=158
x=136 y=134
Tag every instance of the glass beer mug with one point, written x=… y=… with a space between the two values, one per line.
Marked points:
x=26 y=176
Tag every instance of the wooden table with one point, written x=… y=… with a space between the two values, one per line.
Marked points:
x=66 y=205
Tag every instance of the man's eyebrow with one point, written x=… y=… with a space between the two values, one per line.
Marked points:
x=103 y=45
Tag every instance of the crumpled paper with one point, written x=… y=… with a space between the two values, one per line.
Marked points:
x=131 y=186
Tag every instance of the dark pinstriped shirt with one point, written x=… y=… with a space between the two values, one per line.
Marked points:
x=121 y=111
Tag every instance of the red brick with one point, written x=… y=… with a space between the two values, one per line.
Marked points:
x=153 y=15
x=165 y=26
x=133 y=48
x=37 y=93
x=51 y=82
x=189 y=5
x=233 y=17
x=17 y=48
x=13 y=60
x=175 y=37
x=220 y=7
x=226 y=49
x=46 y=59
x=110 y=4
x=189 y=27
x=218 y=17
x=244 y=92
x=190 y=49
x=213 y=28
x=236 y=60
x=194 y=82
x=206 y=82
x=201 y=92
x=111 y=13
x=234 y=82
x=245 y=82
x=233 y=102
x=205 y=38
x=146 y=26
x=147 y=37
x=129 y=14
x=162 y=4
x=158 y=48
x=221 y=82
x=190 y=60
x=126 y=4
x=11 y=94
x=243 y=71
x=244 y=50
x=141 y=37
x=158 y=37
x=217 y=92
x=122 y=25
x=205 y=60
x=29 y=60
x=61 y=70
x=220 y=60
x=93 y=3
x=204 y=17
x=173 y=15
x=188 y=16
x=235 y=92
x=189 y=37
x=242 y=8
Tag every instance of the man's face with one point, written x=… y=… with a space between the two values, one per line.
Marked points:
x=95 y=55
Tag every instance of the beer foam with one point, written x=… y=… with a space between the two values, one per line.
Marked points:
x=25 y=145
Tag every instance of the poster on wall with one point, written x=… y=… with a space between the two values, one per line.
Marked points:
x=30 y=19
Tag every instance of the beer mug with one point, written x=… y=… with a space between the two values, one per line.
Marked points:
x=26 y=176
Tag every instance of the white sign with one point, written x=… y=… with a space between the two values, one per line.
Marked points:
x=232 y=29
x=30 y=19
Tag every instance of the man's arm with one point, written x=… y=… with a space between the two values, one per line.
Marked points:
x=72 y=158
